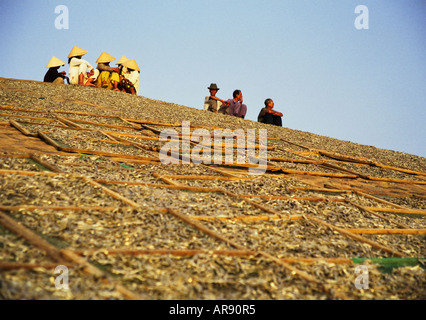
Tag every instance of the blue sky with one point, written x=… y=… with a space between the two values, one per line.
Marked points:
x=326 y=76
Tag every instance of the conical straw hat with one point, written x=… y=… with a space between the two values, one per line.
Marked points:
x=131 y=64
x=105 y=58
x=122 y=60
x=55 y=62
x=77 y=52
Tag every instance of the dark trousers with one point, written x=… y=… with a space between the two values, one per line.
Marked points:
x=273 y=119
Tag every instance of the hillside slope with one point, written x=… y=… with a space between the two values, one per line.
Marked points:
x=82 y=185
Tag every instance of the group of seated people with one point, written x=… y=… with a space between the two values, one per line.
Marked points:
x=235 y=107
x=124 y=78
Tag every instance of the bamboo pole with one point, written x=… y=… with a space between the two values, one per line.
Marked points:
x=204 y=229
x=58 y=208
x=21 y=129
x=357 y=237
x=388 y=231
x=22 y=231
x=377 y=199
x=313 y=199
x=179 y=253
x=111 y=193
x=392 y=210
x=249 y=218
x=182 y=177
x=30 y=266
x=45 y=164
x=90 y=269
x=99 y=124
x=401 y=225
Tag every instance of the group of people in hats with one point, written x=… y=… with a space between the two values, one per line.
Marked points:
x=235 y=107
x=124 y=77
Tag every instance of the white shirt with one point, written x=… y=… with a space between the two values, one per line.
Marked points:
x=133 y=77
x=78 y=66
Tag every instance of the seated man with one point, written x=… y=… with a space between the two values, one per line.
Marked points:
x=269 y=116
x=211 y=102
x=236 y=106
x=52 y=75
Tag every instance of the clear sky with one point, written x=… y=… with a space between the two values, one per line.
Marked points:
x=324 y=74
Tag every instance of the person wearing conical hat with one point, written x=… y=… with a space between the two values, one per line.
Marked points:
x=211 y=102
x=78 y=67
x=52 y=75
x=132 y=75
x=108 y=76
x=122 y=69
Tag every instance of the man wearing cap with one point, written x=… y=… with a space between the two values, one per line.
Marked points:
x=78 y=66
x=213 y=103
x=236 y=106
x=52 y=75
x=108 y=77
